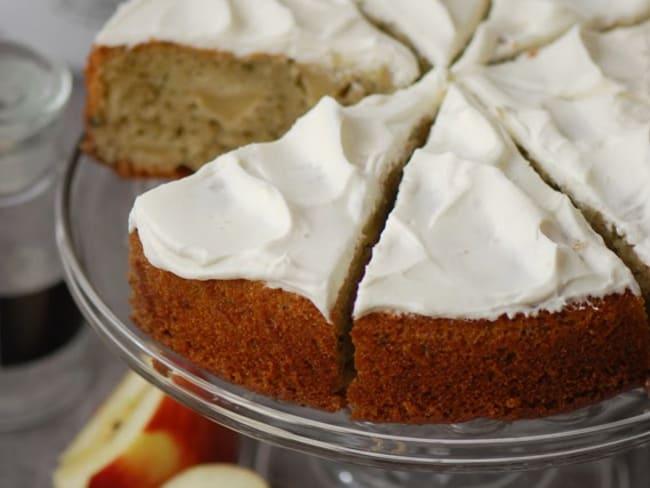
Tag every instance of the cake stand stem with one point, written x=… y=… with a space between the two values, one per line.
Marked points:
x=289 y=469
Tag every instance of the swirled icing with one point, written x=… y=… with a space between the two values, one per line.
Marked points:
x=513 y=26
x=583 y=120
x=437 y=29
x=327 y=32
x=476 y=233
x=289 y=212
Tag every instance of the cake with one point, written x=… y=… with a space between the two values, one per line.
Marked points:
x=514 y=26
x=580 y=108
x=488 y=294
x=248 y=267
x=170 y=85
x=437 y=30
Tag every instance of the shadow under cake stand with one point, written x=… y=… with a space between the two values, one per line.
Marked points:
x=92 y=209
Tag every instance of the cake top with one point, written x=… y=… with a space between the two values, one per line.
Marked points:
x=517 y=25
x=289 y=212
x=475 y=232
x=584 y=119
x=578 y=64
x=437 y=29
x=326 y=32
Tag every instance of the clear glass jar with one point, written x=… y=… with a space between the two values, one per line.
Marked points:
x=42 y=343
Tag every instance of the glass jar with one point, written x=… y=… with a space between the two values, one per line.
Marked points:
x=42 y=342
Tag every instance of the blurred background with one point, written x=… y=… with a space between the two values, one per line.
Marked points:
x=61 y=31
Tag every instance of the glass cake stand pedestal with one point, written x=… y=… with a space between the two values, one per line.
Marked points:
x=330 y=449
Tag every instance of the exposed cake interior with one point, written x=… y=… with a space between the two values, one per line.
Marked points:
x=288 y=222
x=173 y=84
x=488 y=294
x=581 y=111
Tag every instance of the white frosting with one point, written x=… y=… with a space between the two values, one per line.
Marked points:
x=437 y=29
x=623 y=55
x=584 y=120
x=476 y=233
x=327 y=32
x=288 y=212
x=516 y=25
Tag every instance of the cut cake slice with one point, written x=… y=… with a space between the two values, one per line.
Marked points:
x=172 y=84
x=248 y=267
x=581 y=109
x=488 y=294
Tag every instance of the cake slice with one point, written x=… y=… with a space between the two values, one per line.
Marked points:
x=436 y=29
x=173 y=84
x=514 y=26
x=488 y=294
x=248 y=267
x=581 y=110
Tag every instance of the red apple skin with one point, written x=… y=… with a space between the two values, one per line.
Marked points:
x=174 y=439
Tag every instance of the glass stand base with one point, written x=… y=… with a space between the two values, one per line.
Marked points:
x=341 y=475
x=290 y=469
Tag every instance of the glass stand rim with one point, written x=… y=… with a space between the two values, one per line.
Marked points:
x=584 y=435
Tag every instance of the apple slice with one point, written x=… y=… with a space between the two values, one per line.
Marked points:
x=216 y=476
x=140 y=438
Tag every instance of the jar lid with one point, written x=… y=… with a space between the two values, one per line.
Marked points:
x=33 y=91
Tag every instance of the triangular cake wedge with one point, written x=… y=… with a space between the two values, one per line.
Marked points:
x=581 y=109
x=514 y=26
x=488 y=294
x=248 y=267
x=172 y=84
x=436 y=29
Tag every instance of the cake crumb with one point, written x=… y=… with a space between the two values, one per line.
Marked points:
x=579 y=245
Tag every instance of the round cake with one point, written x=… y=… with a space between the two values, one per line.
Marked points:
x=368 y=256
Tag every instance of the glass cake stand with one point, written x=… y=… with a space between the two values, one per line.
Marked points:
x=92 y=210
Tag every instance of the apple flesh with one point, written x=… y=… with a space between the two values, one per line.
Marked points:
x=215 y=476
x=140 y=438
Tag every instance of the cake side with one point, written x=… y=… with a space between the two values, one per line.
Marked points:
x=414 y=368
x=269 y=340
x=160 y=109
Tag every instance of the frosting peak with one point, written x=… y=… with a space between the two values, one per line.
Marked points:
x=437 y=29
x=514 y=26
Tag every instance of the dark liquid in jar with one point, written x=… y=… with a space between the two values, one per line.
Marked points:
x=36 y=324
